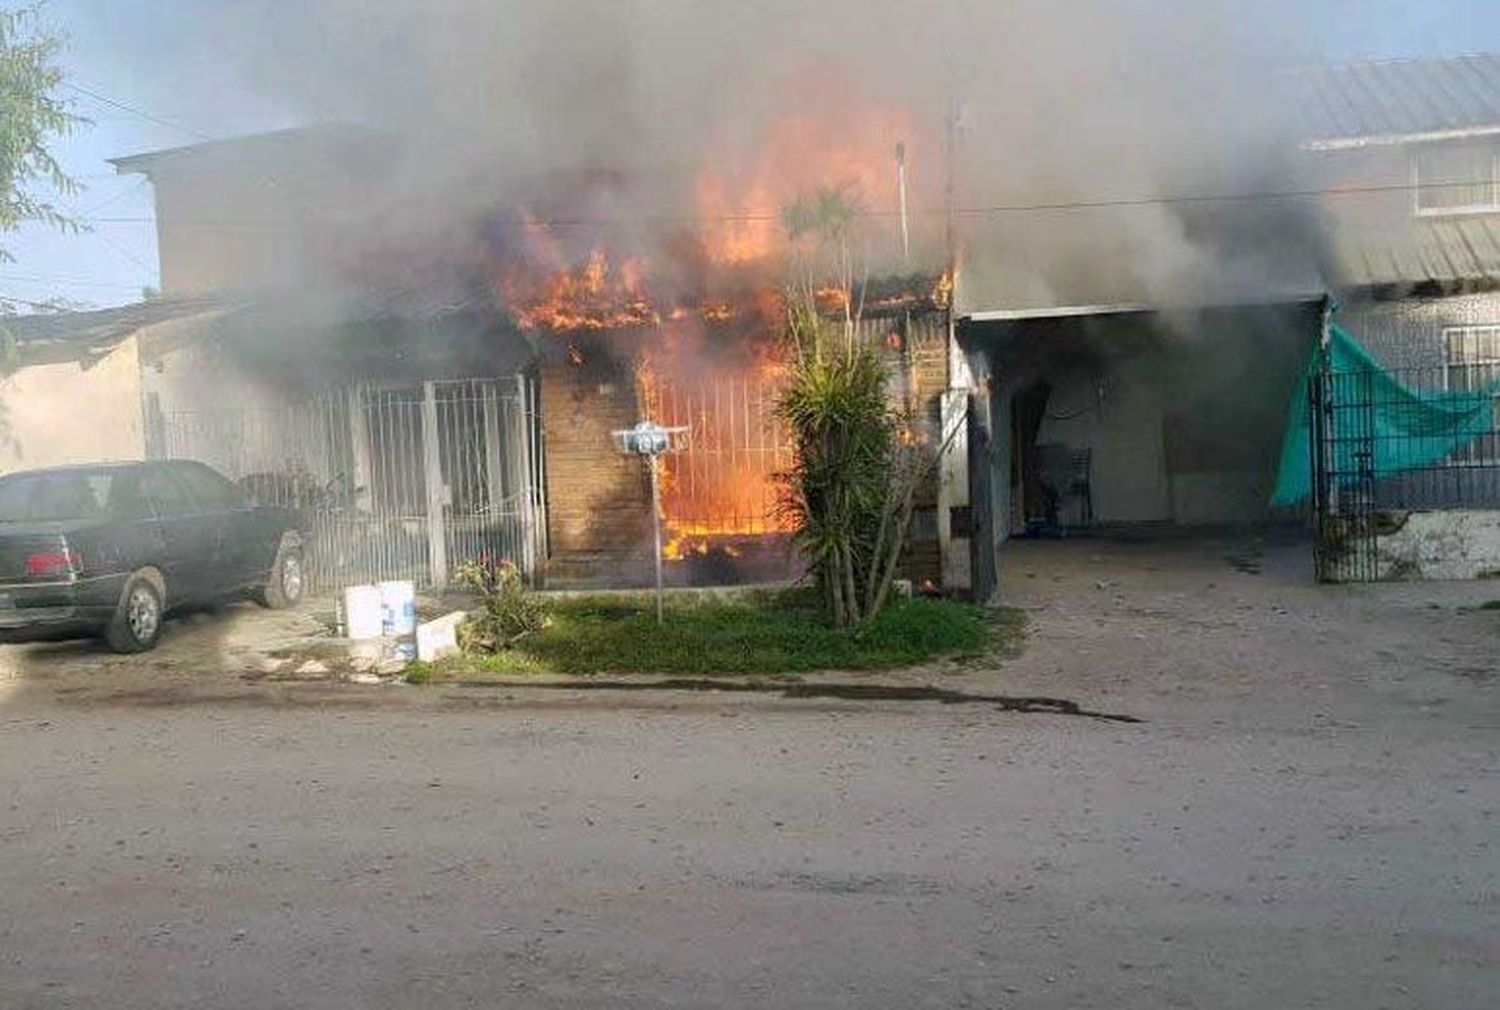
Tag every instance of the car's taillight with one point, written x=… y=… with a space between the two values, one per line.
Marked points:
x=53 y=564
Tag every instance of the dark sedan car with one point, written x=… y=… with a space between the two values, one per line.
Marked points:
x=107 y=550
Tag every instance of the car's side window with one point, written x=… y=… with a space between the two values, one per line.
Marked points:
x=208 y=490
x=126 y=500
x=165 y=493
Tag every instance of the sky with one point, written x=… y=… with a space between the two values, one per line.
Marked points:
x=153 y=74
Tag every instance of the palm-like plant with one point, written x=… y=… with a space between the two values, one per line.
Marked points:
x=835 y=404
x=858 y=461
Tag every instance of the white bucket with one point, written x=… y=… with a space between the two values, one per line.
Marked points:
x=363 y=614
x=398 y=606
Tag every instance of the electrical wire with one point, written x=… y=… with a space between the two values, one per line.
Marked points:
x=39 y=306
x=978 y=211
x=76 y=282
x=137 y=112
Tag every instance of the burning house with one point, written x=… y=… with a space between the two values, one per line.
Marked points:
x=435 y=368
x=438 y=394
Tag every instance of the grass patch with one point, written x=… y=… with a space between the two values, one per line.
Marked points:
x=765 y=634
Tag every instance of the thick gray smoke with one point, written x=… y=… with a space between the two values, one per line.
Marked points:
x=1055 y=103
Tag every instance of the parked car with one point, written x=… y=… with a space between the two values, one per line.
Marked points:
x=110 y=549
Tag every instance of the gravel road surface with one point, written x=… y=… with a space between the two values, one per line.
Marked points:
x=1307 y=817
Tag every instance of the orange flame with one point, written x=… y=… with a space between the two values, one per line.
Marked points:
x=838 y=139
x=724 y=484
x=595 y=296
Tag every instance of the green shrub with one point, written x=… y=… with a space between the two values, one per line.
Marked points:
x=509 y=609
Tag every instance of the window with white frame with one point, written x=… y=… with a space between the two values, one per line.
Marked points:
x=1457 y=179
x=1474 y=364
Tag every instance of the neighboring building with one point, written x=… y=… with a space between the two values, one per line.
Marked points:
x=1173 y=411
x=1414 y=239
x=71 y=390
x=264 y=213
x=410 y=443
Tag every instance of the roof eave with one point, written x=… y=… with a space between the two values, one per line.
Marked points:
x=1138 y=308
x=1358 y=143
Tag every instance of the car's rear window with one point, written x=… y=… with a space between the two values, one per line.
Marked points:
x=40 y=497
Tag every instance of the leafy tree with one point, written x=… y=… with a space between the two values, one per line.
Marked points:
x=32 y=119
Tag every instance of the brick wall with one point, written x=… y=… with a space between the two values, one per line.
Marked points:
x=598 y=498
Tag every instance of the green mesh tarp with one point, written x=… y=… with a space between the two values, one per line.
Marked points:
x=1399 y=428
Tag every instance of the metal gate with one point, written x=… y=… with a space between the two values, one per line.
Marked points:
x=391 y=482
x=1345 y=547
x=725 y=481
x=1360 y=424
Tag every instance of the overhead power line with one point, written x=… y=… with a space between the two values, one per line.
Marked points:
x=1105 y=203
x=74 y=282
x=134 y=111
x=39 y=306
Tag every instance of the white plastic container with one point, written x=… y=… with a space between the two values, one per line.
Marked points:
x=364 y=616
x=398 y=606
x=437 y=639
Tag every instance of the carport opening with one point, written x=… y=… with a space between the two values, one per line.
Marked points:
x=1133 y=418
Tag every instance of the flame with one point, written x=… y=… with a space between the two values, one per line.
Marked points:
x=832 y=299
x=598 y=295
x=724 y=484
x=827 y=135
x=942 y=295
x=668 y=292
x=834 y=138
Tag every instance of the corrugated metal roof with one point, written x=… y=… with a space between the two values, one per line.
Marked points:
x=1441 y=250
x=101 y=327
x=1393 y=101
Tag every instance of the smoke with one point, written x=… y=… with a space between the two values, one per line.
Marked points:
x=1046 y=105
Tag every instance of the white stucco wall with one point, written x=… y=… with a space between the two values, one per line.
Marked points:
x=1184 y=412
x=66 y=413
x=1121 y=415
x=1439 y=545
x=214 y=410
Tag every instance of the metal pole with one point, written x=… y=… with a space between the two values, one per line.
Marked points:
x=437 y=493
x=656 y=526
x=901 y=187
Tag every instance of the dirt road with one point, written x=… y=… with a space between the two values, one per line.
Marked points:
x=1308 y=818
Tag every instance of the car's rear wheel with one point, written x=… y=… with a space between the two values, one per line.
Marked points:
x=288 y=580
x=137 y=624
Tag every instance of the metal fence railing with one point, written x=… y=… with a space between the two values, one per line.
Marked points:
x=1389 y=442
x=725 y=479
x=391 y=482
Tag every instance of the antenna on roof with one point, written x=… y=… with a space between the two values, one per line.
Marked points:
x=901 y=187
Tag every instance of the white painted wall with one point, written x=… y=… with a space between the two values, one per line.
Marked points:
x=1450 y=544
x=215 y=411
x=66 y=413
x=1118 y=415
x=1226 y=375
